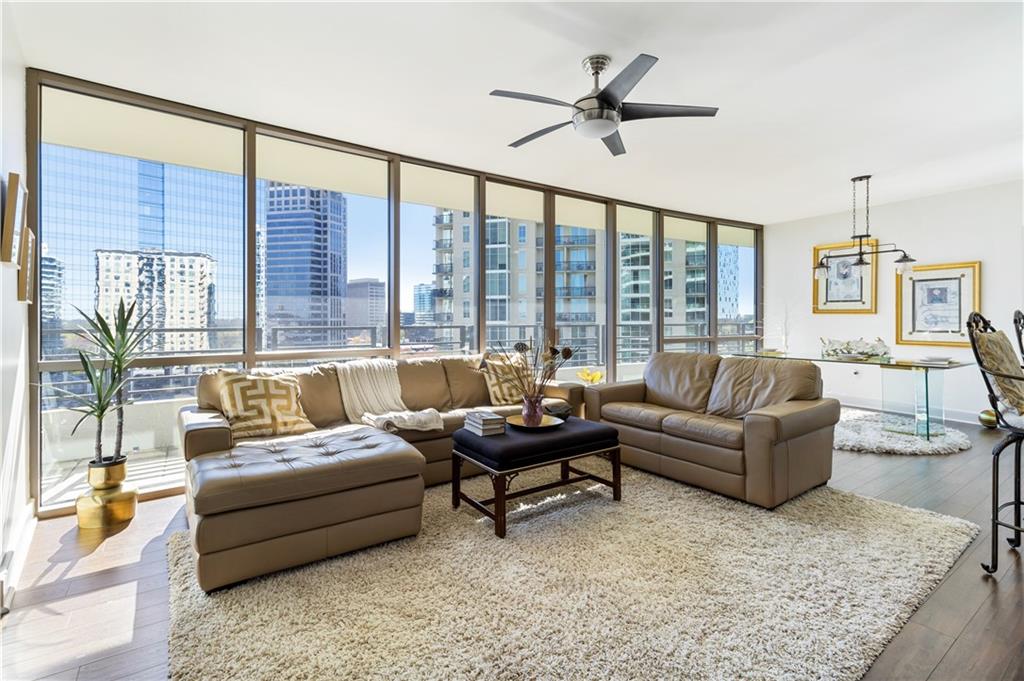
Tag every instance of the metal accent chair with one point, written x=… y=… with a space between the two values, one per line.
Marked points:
x=1010 y=420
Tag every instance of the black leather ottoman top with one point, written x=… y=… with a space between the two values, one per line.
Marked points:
x=518 y=448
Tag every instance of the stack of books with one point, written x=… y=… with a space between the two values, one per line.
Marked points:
x=485 y=423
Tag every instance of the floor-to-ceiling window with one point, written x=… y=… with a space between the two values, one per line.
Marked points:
x=737 y=327
x=635 y=332
x=579 y=281
x=514 y=264
x=685 y=284
x=146 y=207
x=322 y=248
x=252 y=246
x=438 y=257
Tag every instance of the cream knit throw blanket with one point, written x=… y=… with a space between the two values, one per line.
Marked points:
x=372 y=395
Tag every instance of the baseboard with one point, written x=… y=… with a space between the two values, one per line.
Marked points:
x=874 y=404
x=23 y=527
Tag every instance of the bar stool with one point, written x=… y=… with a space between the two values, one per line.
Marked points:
x=1004 y=378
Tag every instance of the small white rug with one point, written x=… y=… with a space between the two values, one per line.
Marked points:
x=671 y=582
x=859 y=430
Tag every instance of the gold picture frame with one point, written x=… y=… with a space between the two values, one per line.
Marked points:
x=928 y=309
x=14 y=219
x=26 y=275
x=867 y=303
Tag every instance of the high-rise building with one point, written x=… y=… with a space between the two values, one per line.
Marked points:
x=366 y=311
x=51 y=301
x=423 y=303
x=175 y=289
x=305 y=266
x=728 y=282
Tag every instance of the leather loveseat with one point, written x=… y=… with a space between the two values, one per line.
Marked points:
x=756 y=429
x=260 y=505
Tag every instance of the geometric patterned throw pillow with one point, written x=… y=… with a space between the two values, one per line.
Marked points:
x=259 y=406
x=499 y=390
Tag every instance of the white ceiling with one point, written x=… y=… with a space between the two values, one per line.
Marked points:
x=927 y=97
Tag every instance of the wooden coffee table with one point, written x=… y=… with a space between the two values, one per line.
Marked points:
x=503 y=457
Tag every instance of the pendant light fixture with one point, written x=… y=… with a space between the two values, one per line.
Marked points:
x=904 y=263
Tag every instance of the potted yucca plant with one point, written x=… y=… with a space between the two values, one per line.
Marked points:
x=117 y=343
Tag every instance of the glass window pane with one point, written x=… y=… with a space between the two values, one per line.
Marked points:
x=151 y=439
x=580 y=281
x=687 y=346
x=686 y=278
x=438 y=248
x=322 y=240
x=142 y=206
x=635 y=328
x=513 y=275
x=737 y=281
x=725 y=347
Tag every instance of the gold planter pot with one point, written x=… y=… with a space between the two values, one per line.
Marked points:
x=110 y=502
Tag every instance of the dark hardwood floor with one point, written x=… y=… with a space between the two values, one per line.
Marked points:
x=92 y=606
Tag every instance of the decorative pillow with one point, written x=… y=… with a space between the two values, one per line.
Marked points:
x=500 y=391
x=258 y=406
x=997 y=355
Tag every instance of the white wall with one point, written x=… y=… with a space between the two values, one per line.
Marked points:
x=16 y=511
x=985 y=223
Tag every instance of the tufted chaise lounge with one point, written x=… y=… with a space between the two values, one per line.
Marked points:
x=260 y=505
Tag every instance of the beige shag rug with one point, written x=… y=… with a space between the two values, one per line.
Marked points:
x=671 y=582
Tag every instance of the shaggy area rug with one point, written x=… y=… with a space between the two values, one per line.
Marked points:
x=869 y=431
x=671 y=582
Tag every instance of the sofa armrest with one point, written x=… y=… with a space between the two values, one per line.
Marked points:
x=787 y=420
x=596 y=396
x=566 y=390
x=203 y=431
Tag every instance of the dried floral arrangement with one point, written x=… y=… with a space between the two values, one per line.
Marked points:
x=531 y=366
x=833 y=347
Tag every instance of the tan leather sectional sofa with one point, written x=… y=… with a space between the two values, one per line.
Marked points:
x=260 y=505
x=751 y=428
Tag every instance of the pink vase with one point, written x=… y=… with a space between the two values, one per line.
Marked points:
x=533 y=412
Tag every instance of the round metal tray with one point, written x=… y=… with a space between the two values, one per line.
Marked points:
x=547 y=422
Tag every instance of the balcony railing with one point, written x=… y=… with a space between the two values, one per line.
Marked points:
x=443 y=219
x=571 y=266
x=442 y=293
x=443 y=244
x=571 y=240
x=575 y=317
x=443 y=268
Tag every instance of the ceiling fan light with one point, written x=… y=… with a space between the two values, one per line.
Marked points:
x=596 y=128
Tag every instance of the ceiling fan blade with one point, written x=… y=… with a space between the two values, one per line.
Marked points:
x=529 y=97
x=621 y=85
x=614 y=144
x=632 y=112
x=540 y=133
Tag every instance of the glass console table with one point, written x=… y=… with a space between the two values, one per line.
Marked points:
x=904 y=381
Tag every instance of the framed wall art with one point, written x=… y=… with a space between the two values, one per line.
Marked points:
x=27 y=273
x=845 y=290
x=15 y=208
x=933 y=302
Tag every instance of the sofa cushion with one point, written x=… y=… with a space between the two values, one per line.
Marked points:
x=319 y=392
x=466 y=382
x=260 y=472
x=680 y=380
x=424 y=384
x=640 y=414
x=702 y=454
x=714 y=430
x=747 y=383
x=503 y=386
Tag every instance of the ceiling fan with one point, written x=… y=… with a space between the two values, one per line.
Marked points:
x=599 y=112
